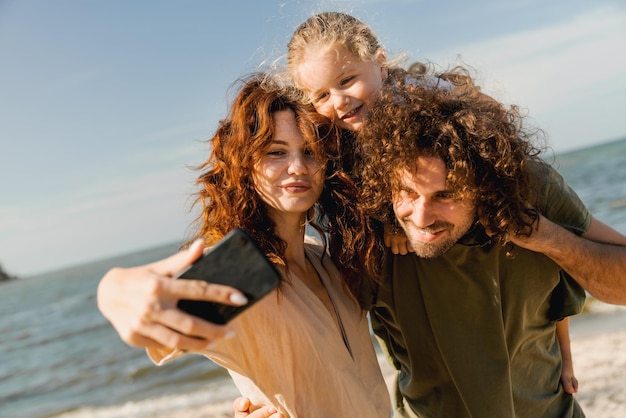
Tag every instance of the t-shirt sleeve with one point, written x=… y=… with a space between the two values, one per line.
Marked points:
x=568 y=298
x=558 y=202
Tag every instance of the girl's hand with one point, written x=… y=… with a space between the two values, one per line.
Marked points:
x=396 y=240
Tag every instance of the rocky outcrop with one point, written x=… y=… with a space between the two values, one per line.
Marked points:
x=5 y=277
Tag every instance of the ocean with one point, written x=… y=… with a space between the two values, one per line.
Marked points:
x=57 y=353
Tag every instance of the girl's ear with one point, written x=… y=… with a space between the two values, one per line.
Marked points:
x=384 y=73
x=381 y=60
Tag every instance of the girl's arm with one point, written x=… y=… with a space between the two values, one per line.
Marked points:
x=569 y=381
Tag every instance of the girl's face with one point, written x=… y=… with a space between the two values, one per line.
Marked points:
x=339 y=84
x=288 y=178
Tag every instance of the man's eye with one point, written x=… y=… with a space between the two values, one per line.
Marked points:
x=445 y=196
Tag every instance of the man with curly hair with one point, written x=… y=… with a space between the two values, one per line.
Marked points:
x=469 y=319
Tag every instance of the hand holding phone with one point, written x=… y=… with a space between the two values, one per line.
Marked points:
x=235 y=261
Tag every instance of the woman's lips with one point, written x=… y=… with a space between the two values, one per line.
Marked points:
x=296 y=187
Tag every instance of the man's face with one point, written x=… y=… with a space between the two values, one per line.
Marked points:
x=432 y=218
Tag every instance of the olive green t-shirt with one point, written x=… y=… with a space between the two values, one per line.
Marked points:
x=472 y=332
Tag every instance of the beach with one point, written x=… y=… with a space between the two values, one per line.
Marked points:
x=598 y=348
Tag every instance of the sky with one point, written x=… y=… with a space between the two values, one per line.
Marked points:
x=105 y=106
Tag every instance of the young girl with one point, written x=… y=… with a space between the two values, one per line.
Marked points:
x=305 y=349
x=340 y=67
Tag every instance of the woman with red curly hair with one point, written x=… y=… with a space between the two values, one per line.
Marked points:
x=304 y=349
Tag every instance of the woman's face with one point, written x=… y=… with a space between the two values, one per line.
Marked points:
x=339 y=84
x=288 y=178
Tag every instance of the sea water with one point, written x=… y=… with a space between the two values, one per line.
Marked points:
x=57 y=353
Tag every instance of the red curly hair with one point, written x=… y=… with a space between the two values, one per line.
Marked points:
x=228 y=197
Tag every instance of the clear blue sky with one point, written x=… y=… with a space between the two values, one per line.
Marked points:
x=104 y=104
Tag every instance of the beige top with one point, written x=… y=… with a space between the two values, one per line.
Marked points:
x=290 y=352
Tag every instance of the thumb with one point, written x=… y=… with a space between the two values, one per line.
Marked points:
x=174 y=264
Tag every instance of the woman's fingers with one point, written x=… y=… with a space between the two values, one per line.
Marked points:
x=141 y=303
x=201 y=290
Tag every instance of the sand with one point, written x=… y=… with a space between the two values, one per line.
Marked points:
x=598 y=348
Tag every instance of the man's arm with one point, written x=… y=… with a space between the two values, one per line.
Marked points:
x=597 y=260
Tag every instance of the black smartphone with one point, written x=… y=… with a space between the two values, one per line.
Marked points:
x=236 y=261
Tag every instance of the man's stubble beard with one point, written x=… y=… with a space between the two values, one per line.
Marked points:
x=441 y=245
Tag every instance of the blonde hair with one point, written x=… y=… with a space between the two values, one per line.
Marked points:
x=332 y=28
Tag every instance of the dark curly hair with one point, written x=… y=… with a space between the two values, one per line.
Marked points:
x=227 y=194
x=488 y=152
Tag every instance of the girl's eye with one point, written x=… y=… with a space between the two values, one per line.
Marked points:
x=347 y=80
x=321 y=97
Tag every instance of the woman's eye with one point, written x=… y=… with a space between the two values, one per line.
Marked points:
x=276 y=152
